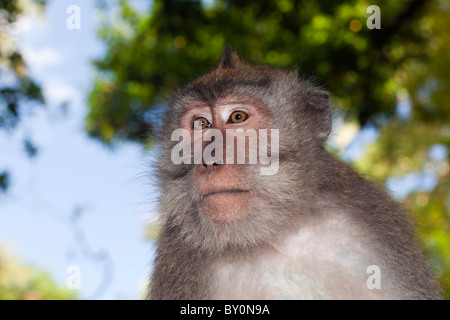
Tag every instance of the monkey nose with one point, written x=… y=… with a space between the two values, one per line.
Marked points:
x=210 y=166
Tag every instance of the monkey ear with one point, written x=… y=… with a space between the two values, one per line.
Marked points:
x=230 y=59
x=319 y=113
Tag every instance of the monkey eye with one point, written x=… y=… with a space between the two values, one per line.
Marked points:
x=238 y=117
x=201 y=123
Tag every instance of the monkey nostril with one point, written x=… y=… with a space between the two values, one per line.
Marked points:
x=214 y=164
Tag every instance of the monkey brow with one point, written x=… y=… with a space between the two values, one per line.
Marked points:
x=222 y=87
x=260 y=83
x=210 y=89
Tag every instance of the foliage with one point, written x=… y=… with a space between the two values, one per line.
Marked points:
x=409 y=152
x=17 y=89
x=369 y=71
x=28 y=283
x=150 y=54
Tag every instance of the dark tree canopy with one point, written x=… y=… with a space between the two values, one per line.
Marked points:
x=150 y=54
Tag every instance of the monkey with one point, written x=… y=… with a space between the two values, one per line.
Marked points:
x=314 y=229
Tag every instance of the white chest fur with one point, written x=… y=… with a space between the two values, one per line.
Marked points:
x=324 y=260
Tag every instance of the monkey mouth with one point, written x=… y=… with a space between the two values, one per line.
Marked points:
x=222 y=206
x=230 y=191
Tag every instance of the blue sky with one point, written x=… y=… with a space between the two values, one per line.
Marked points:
x=73 y=171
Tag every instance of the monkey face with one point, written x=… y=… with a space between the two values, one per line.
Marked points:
x=225 y=186
x=214 y=195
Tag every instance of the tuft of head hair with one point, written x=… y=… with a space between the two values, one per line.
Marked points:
x=230 y=59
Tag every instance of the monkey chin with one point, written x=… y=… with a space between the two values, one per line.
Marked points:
x=225 y=206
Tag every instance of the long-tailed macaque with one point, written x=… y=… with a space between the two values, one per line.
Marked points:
x=296 y=223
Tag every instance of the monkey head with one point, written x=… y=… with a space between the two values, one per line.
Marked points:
x=209 y=198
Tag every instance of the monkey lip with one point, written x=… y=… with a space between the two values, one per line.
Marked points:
x=222 y=206
x=224 y=192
